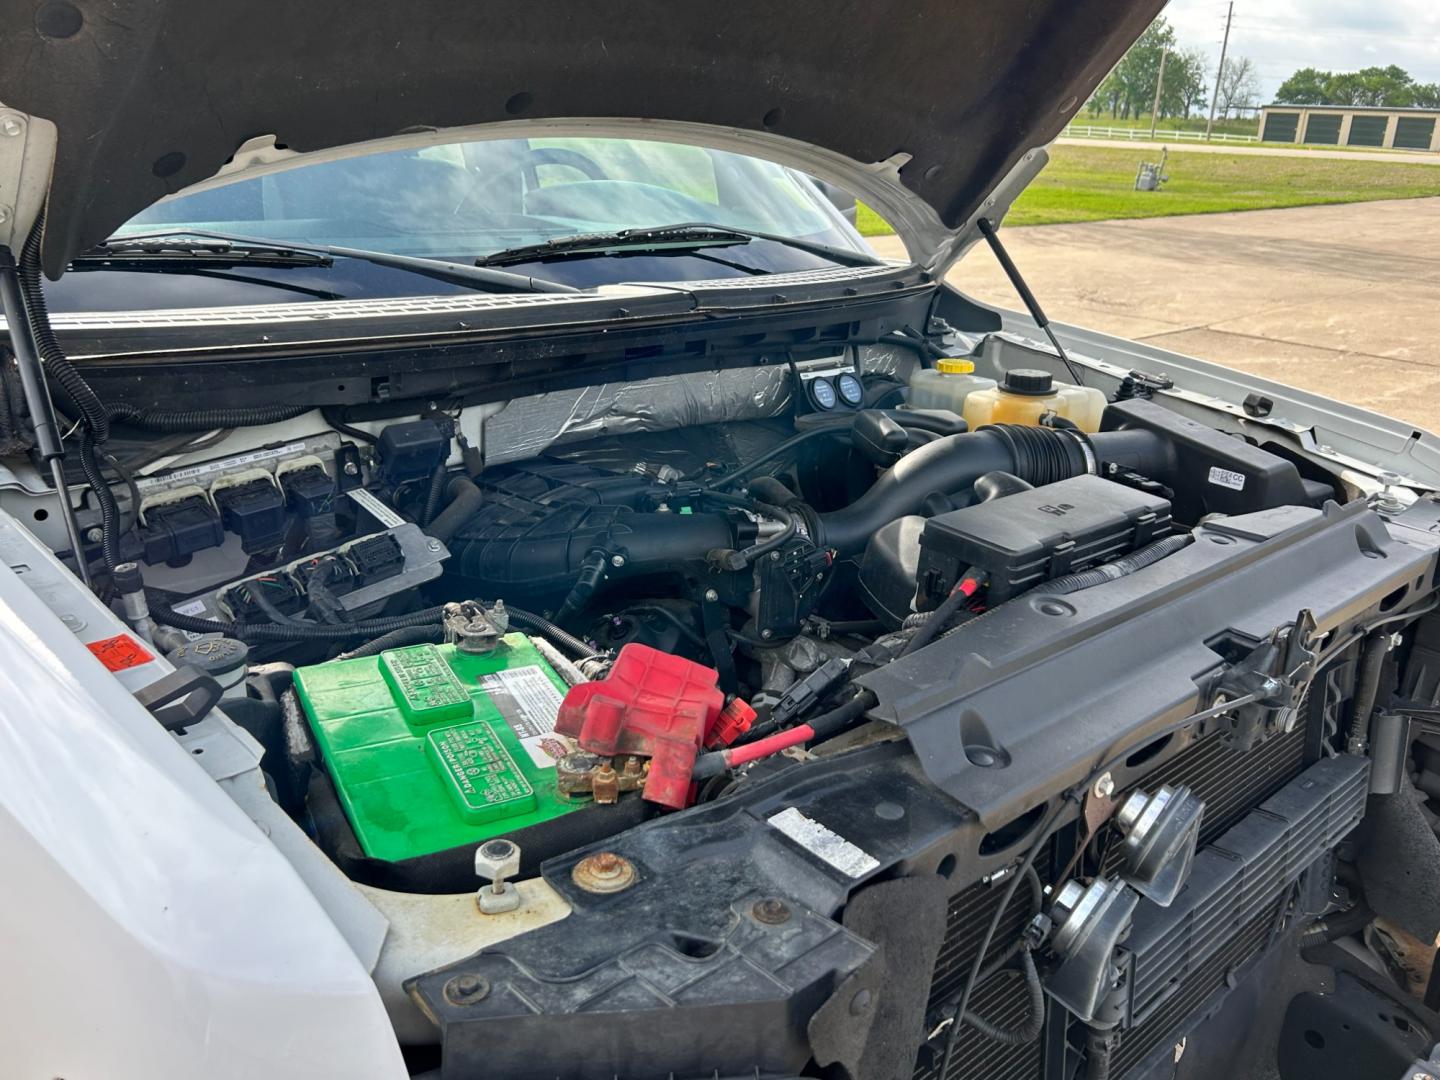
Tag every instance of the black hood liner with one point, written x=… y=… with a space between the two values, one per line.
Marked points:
x=152 y=95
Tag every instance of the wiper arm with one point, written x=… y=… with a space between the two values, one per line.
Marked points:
x=172 y=241
x=684 y=236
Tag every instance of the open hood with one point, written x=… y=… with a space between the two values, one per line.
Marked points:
x=926 y=110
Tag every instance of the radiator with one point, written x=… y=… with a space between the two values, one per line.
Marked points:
x=1232 y=784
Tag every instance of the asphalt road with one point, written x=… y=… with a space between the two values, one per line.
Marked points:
x=1341 y=300
x=1393 y=157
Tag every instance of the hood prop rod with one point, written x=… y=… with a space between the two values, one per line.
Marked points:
x=987 y=230
x=48 y=439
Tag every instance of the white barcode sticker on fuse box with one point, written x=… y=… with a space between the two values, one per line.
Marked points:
x=1227 y=478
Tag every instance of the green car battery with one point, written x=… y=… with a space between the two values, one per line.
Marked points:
x=430 y=748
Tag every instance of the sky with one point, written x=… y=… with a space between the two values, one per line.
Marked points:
x=1333 y=35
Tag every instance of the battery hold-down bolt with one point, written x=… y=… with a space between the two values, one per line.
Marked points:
x=495 y=860
x=772 y=912
x=604 y=872
x=466 y=989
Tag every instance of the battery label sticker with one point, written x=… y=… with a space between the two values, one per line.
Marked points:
x=1227 y=478
x=823 y=843
x=529 y=702
x=119 y=653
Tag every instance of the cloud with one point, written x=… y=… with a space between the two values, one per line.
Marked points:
x=1337 y=35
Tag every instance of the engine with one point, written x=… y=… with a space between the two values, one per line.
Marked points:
x=865 y=746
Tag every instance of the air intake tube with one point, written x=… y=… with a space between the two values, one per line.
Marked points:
x=1034 y=454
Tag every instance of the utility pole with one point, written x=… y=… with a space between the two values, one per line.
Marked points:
x=1159 y=82
x=1220 y=71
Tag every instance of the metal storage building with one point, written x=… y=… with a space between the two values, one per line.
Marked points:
x=1354 y=125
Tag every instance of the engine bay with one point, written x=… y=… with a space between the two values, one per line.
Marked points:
x=791 y=694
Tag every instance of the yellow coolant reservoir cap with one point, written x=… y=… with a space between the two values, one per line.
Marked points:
x=954 y=367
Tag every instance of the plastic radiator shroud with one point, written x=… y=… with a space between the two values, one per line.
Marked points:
x=1043 y=688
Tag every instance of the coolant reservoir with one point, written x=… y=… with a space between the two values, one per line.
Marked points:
x=1027 y=394
x=946 y=386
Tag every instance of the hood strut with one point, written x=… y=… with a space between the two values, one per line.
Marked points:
x=48 y=439
x=1032 y=305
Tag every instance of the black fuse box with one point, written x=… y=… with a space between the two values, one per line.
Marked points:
x=1021 y=540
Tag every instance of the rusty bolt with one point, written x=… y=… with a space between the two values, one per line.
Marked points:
x=605 y=784
x=771 y=911
x=604 y=872
x=466 y=989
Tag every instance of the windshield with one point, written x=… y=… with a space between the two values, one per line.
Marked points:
x=470 y=199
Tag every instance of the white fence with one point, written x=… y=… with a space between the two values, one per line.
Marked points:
x=1090 y=131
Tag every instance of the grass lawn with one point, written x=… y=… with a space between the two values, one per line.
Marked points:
x=1084 y=183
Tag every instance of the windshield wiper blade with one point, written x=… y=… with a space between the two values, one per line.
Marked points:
x=438 y=269
x=189 y=253
x=683 y=236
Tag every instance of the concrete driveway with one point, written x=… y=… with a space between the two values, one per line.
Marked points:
x=1341 y=300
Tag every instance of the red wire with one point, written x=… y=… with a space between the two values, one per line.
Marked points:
x=771 y=744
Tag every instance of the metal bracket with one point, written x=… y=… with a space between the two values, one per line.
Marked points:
x=27 y=155
x=1268 y=680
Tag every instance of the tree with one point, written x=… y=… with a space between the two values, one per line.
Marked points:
x=1239 y=85
x=1390 y=87
x=1306 y=87
x=1190 y=87
x=1130 y=88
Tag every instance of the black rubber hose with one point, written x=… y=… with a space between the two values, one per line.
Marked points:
x=1122 y=567
x=92 y=410
x=465 y=502
x=1342 y=924
x=1098 y=1052
x=953 y=463
x=395 y=639
x=545 y=628
x=433 y=494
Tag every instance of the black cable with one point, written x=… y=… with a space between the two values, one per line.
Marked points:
x=109 y=509
x=161 y=611
x=92 y=411
x=395 y=639
x=331 y=414
x=545 y=628
x=171 y=421
x=776 y=451
x=947 y=610
x=433 y=495
x=962 y=1006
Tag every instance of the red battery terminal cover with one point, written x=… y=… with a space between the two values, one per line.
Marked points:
x=659 y=706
